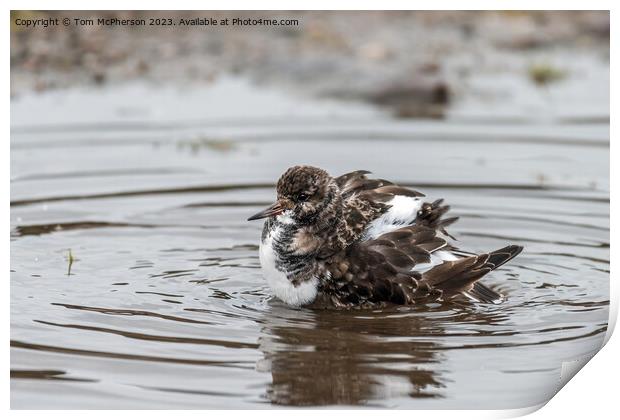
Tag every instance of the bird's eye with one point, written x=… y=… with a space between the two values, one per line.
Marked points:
x=302 y=197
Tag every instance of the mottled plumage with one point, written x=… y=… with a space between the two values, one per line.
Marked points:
x=353 y=241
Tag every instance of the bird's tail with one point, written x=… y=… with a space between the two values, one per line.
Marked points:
x=485 y=294
x=461 y=276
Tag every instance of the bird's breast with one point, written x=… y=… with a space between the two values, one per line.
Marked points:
x=280 y=270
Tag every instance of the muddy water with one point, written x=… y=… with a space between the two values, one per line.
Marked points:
x=160 y=302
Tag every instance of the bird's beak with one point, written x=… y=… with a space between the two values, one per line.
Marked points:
x=273 y=210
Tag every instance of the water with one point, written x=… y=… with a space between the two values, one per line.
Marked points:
x=160 y=302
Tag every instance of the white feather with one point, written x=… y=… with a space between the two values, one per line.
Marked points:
x=402 y=212
x=294 y=295
x=470 y=297
x=286 y=217
x=437 y=257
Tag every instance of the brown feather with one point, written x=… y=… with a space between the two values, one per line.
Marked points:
x=329 y=243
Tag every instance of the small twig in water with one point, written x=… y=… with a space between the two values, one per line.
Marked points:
x=71 y=259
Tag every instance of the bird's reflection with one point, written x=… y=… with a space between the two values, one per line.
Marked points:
x=349 y=357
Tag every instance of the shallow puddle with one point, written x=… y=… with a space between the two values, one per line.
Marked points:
x=135 y=279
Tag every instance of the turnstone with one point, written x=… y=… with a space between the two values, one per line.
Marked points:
x=353 y=241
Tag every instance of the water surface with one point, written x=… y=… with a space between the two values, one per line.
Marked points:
x=160 y=301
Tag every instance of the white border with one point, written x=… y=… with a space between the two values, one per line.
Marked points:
x=592 y=394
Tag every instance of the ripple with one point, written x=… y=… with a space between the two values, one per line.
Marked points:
x=126 y=356
x=195 y=318
x=160 y=338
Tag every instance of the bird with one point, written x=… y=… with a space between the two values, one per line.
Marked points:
x=354 y=241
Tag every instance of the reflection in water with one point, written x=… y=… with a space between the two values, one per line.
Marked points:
x=50 y=375
x=352 y=357
x=331 y=362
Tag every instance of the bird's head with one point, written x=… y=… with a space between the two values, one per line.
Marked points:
x=305 y=195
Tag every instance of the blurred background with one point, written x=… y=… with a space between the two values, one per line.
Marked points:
x=416 y=64
x=137 y=154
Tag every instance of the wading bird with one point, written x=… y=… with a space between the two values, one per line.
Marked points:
x=354 y=241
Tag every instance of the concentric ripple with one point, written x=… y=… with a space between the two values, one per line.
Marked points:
x=135 y=280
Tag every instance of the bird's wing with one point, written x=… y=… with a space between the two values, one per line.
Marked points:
x=380 y=189
x=384 y=270
x=431 y=215
x=359 y=191
x=381 y=270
